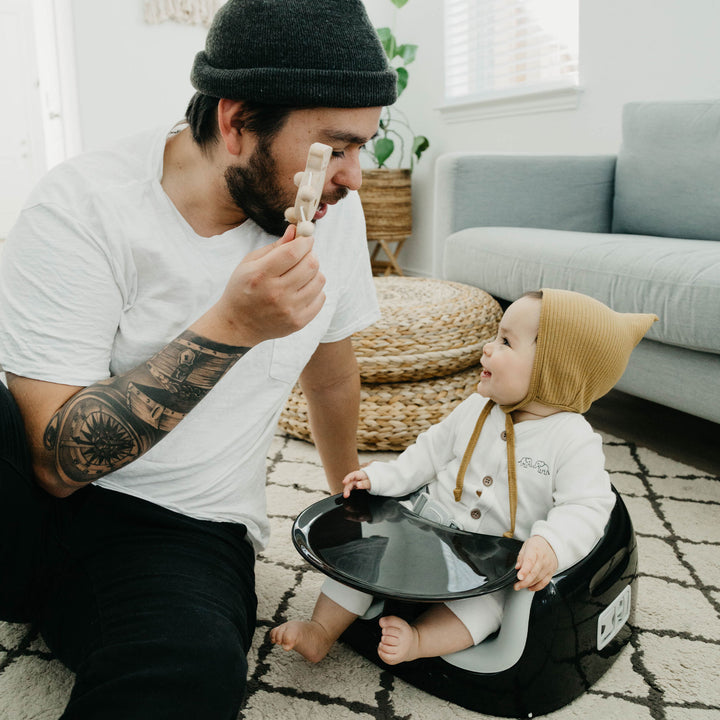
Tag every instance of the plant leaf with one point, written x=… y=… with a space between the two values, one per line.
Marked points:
x=402 y=80
x=420 y=145
x=382 y=150
x=398 y=3
x=407 y=53
x=388 y=41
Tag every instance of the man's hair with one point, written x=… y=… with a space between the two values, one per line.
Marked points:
x=262 y=119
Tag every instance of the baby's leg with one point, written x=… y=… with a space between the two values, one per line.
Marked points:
x=437 y=631
x=313 y=638
x=335 y=610
x=442 y=629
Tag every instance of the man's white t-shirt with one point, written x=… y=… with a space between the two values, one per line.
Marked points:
x=101 y=271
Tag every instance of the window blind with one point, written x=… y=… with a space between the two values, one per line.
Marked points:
x=507 y=47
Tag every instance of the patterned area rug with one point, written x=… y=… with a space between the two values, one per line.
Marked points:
x=668 y=671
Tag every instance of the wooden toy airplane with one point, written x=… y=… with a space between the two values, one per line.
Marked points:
x=310 y=186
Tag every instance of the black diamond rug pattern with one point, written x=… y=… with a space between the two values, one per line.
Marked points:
x=668 y=670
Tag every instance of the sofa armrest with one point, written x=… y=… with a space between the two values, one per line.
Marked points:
x=560 y=192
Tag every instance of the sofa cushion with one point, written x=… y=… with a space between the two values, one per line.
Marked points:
x=668 y=170
x=677 y=279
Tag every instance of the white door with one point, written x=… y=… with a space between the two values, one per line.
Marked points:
x=39 y=121
x=22 y=146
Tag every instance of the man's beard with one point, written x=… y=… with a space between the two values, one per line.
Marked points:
x=256 y=191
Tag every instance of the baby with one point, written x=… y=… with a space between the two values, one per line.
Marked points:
x=517 y=458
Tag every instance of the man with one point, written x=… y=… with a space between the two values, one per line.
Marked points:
x=152 y=324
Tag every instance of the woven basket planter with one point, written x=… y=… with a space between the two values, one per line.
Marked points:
x=386 y=197
x=417 y=363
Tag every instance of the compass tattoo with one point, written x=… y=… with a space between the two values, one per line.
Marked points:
x=113 y=422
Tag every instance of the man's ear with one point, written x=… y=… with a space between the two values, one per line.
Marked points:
x=230 y=129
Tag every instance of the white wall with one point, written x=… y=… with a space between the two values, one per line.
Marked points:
x=133 y=75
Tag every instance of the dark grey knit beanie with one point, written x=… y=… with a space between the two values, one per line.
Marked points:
x=312 y=53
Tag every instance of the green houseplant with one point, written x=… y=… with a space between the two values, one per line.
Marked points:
x=386 y=192
x=395 y=136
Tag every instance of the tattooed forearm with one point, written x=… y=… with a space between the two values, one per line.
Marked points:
x=110 y=424
x=94 y=433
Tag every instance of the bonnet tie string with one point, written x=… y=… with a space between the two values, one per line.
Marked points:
x=512 y=478
x=470 y=449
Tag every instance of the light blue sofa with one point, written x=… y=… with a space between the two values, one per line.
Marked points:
x=639 y=231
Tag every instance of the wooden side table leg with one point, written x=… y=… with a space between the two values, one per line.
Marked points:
x=398 y=247
x=391 y=265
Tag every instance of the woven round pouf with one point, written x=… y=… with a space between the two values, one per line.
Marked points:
x=392 y=415
x=428 y=328
x=417 y=362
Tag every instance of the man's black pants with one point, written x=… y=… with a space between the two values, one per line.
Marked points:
x=152 y=610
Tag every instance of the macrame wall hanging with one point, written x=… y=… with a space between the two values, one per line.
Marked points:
x=191 y=12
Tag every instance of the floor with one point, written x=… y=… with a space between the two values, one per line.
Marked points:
x=669 y=432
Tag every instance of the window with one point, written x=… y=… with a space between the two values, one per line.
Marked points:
x=509 y=48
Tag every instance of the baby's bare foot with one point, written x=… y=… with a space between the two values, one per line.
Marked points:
x=399 y=641
x=308 y=638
